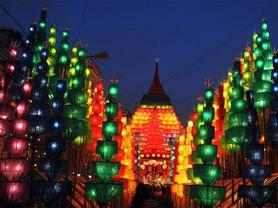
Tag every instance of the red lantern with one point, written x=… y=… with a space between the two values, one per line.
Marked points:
x=16 y=146
x=13 y=169
x=13 y=191
x=20 y=127
x=97 y=108
x=21 y=108
x=10 y=69
x=194 y=116
x=96 y=119
x=27 y=88
x=96 y=132
x=100 y=86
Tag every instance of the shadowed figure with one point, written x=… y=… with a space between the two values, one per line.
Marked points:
x=142 y=197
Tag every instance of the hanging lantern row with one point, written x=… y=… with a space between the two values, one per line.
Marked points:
x=105 y=189
x=257 y=193
x=206 y=152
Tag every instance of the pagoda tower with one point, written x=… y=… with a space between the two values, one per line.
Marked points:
x=155 y=129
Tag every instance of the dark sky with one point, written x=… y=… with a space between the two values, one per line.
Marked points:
x=194 y=39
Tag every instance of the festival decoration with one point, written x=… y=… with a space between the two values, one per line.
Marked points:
x=273 y=118
x=105 y=189
x=257 y=193
x=75 y=110
x=263 y=66
x=236 y=130
x=153 y=124
x=206 y=194
x=51 y=190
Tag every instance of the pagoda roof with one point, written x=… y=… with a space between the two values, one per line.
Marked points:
x=156 y=94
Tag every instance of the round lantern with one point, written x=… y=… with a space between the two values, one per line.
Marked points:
x=16 y=146
x=55 y=146
x=22 y=108
x=110 y=129
x=37 y=126
x=39 y=109
x=39 y=94
x=19 y=127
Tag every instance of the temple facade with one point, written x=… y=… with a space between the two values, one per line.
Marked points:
x=155 y=129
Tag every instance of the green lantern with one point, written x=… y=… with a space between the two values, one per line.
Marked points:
x=206 y=133
x=107 y=149
x=209 y=93
x=208 y=114
x=207 y=196
x=109 y=130
x=237 y=119
x=104 y=192
x=238 y=105
x=78 y=97
x=113 y=91
x=208 y=174
x=237 y=92
x=237 y=135
x=105 y=170
x=74 y=128
x=75 y=112
x=262 y=86
x=111 y=109
x=262 y=100
x=207 y=153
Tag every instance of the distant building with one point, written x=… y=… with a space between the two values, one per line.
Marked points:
x=155 y=128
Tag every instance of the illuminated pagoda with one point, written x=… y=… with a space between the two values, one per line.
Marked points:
x=155 y=128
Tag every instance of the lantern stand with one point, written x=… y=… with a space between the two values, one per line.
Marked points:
x=105 y=189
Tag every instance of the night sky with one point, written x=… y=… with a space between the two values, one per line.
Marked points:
x=194 y=39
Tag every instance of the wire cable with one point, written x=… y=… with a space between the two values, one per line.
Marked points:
x=13 y=18
x=82 y=19
x=221 y=45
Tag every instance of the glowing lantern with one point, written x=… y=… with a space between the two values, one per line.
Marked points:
x=16 y=146
x=19 y=127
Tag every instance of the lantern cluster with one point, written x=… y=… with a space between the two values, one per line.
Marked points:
x=96 y=117
x=273 y=118
x=13 y=128
x=127 y=148
x=236 y=131
x=220 y=112
x=263 y=68
x=257 y=193
x=54 y=144
x=39 y=41
x=76 y=109
x=104 y=190
x=247 y=68
x=206 y=194
x=182 y=154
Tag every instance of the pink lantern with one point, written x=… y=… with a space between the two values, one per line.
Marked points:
x=16 y=146
x=21 y=108
x=13 y=169
x=27 y=88
x=19 y=127
x=13 y=191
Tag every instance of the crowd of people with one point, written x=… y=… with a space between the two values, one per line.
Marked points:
x=147 y=196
